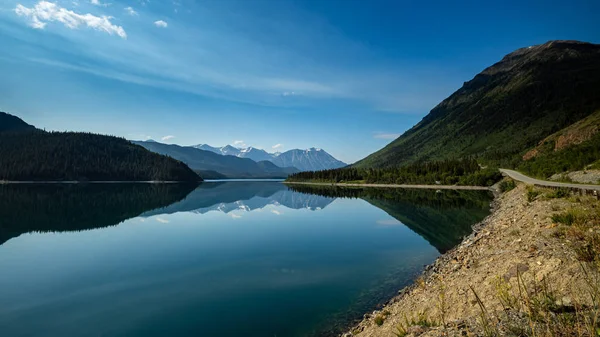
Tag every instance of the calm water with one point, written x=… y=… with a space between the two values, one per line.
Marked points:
x=222 y=259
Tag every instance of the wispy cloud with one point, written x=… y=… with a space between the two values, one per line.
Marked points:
x=44 y=12
x=131 y=11
x=169 y=137
x=239 y=143
x=162 y=220
x=98 y=3
x=277 y=146
x=382 y=135
x=235 y=216
x=274 y=211
x=161 y=24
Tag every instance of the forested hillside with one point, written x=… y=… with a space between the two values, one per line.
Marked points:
x=446 y=172
x=31 y=154
x=505 y=110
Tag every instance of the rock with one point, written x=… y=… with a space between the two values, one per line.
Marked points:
x=520 y=268
x=416 y=330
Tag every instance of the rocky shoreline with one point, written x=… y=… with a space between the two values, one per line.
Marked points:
x=517 y=242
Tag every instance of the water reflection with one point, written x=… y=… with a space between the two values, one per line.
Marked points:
x=74 y=207
x=222 y=259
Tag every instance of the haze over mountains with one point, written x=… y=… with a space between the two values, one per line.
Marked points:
x=312 y=159
x=232 y=162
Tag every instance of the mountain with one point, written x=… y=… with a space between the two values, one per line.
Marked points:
x=13 y=123
x=308 y=160
x=210 y=162
x=304 y=160
x=256 y=154
x=505 y=110
x=36 y=155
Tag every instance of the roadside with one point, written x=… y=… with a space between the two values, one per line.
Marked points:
x=532 y=181
x=530 y=268
x=435 y=187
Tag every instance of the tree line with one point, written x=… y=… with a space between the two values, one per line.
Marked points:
x=58 y=156
x=445 y=172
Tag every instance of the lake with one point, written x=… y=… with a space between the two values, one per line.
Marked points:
x=220 y=259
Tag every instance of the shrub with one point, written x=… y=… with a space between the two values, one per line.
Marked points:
x=507 y=185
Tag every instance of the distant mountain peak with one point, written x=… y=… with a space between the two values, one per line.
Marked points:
x=310 y=159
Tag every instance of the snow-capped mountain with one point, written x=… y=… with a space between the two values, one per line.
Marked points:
x=308 y=160
x=312 y=159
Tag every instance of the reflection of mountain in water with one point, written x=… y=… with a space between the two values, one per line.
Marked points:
x=442 y=218
x=74 y=207
x=246 y=195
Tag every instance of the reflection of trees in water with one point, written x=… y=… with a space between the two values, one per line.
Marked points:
x=74 y=207
x=443 y=218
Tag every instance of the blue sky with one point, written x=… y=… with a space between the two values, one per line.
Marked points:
x=347 y=76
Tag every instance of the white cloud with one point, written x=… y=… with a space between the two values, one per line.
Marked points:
x=98 y=3
x=169 y=137
x=381 y=135
x=131 y=11
x=277 y=146
x=161 y=220
x=289 y=93
x=239 y=143
x=44 y=12
x=235 y=216
x=274 y=211
x=161 y=24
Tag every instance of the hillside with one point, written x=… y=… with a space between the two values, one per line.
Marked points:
x=216 y=164
x=571 y=149
x=30 y=154
x=12 y=123
x=505 y=110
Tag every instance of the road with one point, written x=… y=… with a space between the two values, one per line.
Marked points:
x=532 y=181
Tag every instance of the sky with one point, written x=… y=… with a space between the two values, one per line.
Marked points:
x=347 y=76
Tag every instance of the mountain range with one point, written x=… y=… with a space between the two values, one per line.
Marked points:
x=211 y=165
x=509 y=109
x=312 y=159
x=232 y=162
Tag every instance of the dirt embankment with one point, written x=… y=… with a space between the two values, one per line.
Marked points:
x=519 y=273
x=583 y=177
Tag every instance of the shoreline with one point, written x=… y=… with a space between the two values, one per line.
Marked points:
x=516 y=242
x=435 y=187
x=72 y=182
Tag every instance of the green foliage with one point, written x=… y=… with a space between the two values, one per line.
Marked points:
x=421 y=319
x=532 y=193
x=507 y=185
x=505 y=110
x=558 y=193
x=58 y=156
x=574 y=158
x=446 y=172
